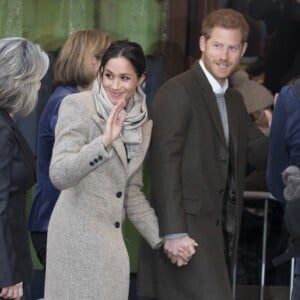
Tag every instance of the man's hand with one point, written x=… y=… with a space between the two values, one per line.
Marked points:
x=180 y=250
x=12 y=292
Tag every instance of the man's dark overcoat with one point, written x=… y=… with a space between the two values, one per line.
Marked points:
x=189 y=162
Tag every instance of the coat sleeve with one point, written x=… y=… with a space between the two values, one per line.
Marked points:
x=171 y=114
x=7 y=248
x=140 y=212
x=284 y=140
x=74 y=157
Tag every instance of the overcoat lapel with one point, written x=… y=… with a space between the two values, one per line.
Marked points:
x=209 y=99
x=233 y=129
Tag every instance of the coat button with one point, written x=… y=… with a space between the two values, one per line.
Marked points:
x=95 y=160
x=117 y=224
x=100 y=157
x=119 y=194
x=91 y=163
x=217 y=222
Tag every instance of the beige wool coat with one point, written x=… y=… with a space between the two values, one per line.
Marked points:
x=86 y=255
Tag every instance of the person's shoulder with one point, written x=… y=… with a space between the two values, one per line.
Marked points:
x=7 y=126
x=286 y=90
x=184 y=80
x=57 y=96
x=189 y=74
x=66 y=89
x=5 y=119
x=83 y=101
x=176 y=79
x=288 y=98
x=79 y=97
x=234 y=94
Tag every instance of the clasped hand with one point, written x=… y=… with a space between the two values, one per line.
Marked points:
x=12 y=292
x=180 y=250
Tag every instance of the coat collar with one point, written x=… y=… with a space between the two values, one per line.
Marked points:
x=211 y=103
x=232 y=119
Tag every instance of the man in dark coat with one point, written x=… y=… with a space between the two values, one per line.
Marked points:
x=202 y=140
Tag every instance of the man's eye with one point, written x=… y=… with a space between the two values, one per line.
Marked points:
x=217 y=46
x=233 y=48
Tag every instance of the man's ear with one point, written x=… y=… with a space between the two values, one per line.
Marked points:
x=244 y=48
x=202 y=43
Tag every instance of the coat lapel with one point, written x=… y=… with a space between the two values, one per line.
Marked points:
x=209 y=99
x=233 y=123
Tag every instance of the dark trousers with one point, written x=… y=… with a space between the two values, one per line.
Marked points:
x=39 y=241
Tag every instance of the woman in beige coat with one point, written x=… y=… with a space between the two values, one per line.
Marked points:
x=102 y=137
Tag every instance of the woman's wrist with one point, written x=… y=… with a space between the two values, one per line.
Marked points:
x=105 y=141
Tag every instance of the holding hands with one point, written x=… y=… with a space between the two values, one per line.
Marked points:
x=12 y=292
x=180 y=250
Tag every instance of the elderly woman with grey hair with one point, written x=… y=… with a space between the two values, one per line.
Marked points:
x=23 y=64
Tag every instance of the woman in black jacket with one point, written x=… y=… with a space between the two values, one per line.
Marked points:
x=23 y=65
